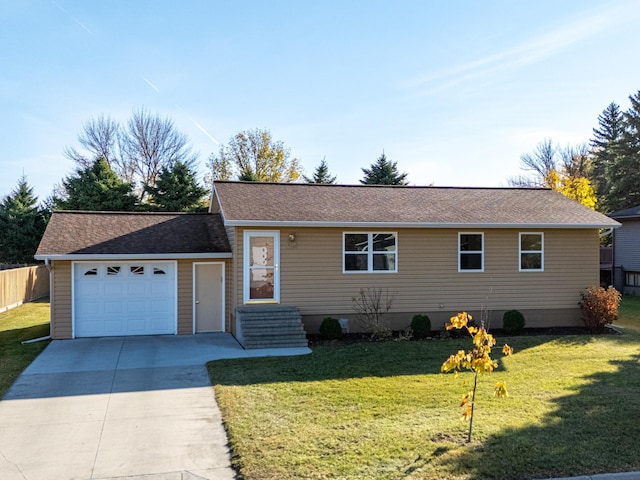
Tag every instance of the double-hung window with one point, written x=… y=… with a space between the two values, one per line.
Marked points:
x=369 y=252
x=470 y=252
x=531 y=252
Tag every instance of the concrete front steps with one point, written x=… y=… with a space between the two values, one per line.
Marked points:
x=270 y=326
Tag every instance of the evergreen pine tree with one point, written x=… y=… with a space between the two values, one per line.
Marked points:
x=176 y=190
x=96 y=187
x=383 y=172
x=321 y=175
x=22 y=225
x=624 y=172
x=605 y=144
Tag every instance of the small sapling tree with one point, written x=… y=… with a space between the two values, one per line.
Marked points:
x=477 y=360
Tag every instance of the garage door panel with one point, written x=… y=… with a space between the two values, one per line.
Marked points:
x=112 y=289
x=124 y=299
x=113 y=307
x=112 y=326
x=135 y=289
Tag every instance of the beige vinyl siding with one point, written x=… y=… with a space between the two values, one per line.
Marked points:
x=428 y=280
x=185 y=294
x=230 y=236
x=61 y=322
x=61 y=310
x=185 y=297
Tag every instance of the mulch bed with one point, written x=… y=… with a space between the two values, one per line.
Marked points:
x=350 y=338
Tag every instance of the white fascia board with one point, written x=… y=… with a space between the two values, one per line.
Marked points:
x=133 y=256
x=477 y=226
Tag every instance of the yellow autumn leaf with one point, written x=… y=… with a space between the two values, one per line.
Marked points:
x=500 y=390
x=507 y=350
x=467 y=413
x=460 y=320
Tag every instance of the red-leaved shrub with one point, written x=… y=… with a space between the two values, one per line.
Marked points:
x=599 y=307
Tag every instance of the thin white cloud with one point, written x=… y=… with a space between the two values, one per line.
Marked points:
x=78 y=22
x=530 y=52
x=151 y=84
x=202 y=129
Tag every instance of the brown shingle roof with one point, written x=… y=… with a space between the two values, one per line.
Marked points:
x=294 y=203
x=109 y=233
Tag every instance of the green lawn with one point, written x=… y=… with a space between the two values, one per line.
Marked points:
x=25 y=322
x=383 y=410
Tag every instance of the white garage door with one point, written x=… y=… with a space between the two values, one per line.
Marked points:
x=118 y=298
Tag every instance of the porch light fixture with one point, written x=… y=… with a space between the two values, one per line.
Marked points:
x=292 y=237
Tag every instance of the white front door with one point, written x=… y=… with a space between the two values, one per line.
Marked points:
x=208 y=297
x=124 y=298
x=261 y=266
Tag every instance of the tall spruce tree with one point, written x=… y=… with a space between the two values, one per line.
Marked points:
x=22 y=224
x=96 y=187
x=321 y=175
x=383 y=172
x=176 y=190
x=624 y=172
x=605 y=148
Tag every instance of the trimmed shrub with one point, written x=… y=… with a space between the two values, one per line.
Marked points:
x=512 y=321
x=421 y=326
x=599 y=307
x=330 y=329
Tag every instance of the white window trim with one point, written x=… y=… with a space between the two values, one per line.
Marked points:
x=276 y=265
x=541 y=252
x=369 y=253
x=460 y=252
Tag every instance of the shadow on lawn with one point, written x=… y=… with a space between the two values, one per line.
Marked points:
x=593 y=430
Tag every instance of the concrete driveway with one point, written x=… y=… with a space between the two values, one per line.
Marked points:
x=126 y=407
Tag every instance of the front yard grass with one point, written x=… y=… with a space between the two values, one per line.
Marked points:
x=383 y=410
x=25 y=322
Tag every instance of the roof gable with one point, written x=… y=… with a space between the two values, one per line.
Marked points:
x=125 y=233
x=247 y=203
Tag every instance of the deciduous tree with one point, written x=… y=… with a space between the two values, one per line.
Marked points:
x=564 y=170
x=478 y=360
x=137 y=151
x=253 y=155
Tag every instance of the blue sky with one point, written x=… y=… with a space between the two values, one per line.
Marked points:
x=453 y=91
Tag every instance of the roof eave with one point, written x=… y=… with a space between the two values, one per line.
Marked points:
x=130 y=256
x=289 y=224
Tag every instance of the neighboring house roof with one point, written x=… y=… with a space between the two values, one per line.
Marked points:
x=633 y=212
x=273 y=204
x=77 y=234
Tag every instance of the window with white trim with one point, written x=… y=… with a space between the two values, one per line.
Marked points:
x=369 y=252
x=531 y=252
x=470 y=252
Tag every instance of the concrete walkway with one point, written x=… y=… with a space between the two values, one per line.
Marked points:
x=126 y=407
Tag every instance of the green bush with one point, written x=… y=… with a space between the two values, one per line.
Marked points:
x=421 y=326
x=512 y=322
x=330 y=329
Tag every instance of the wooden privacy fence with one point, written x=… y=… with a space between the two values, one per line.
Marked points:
x=19 y=285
